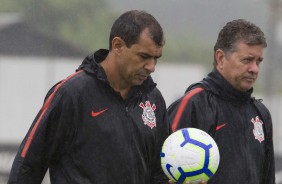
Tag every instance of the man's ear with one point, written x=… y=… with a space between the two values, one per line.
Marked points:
x=219 y=58
x=117 y=45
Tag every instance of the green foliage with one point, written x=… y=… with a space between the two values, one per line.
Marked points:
x=188 y=48
x=86 y=24
x=9 y=6
x=81 y=23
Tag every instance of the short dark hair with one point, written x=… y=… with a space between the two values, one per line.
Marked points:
x=239 y=30
x=130 y=25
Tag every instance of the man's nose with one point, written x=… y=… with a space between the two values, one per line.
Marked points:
x=151 y=65
x=254 y=67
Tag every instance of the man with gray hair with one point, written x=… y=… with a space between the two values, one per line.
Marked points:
x=221 y=104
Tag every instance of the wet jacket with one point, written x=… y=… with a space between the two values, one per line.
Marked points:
x=85 y=133
x=241 y=129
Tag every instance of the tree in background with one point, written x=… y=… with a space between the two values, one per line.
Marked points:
x=85 y=23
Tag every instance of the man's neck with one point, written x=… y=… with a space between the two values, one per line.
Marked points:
x=114 y=78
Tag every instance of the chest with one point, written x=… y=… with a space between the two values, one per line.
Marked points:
x=107 y=119
x=238 y=126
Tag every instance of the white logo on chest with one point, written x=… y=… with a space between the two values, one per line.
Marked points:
x=148 y=115
x=258 y=129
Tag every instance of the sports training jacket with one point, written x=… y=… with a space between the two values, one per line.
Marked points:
x=241 y=129
x=85 y=133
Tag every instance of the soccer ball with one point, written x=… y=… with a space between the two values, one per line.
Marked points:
x=189 y=155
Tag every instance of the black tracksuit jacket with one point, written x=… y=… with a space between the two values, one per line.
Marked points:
x=85 y=133
x=230 y=117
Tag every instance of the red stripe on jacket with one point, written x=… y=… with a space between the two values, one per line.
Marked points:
x=43 y=111
x=182 y=106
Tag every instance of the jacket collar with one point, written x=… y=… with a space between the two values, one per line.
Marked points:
x=91 y=65
x=216 y=83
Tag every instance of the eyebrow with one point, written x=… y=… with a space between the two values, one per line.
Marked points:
x=261 y=58
x=148 y=55
x=251 y=56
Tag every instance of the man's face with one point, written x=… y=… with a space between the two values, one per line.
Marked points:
x=136 y=63
x=241 y=67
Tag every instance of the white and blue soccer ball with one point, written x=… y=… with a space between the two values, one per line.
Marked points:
x=189 y=155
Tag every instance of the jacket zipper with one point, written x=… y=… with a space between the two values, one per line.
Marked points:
x=126 y=111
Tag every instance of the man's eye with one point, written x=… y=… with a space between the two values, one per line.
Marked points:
x=258 y=62
x=246 y=60
x=144 y=56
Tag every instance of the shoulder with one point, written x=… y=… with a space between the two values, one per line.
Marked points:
x=76 y=79
x=196 y=92
x=264 y=113
x=192 y=95
x=156 y=96
x=77 y=82
x=263 y=110
x=191 y=101
x=71 y=84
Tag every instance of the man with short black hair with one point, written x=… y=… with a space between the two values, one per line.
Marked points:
x=107 y=122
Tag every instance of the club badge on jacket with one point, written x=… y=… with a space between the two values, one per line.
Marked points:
x=258 y=129
x=148 y=114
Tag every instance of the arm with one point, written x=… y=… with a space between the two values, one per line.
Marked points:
x=164 y=130
x=44 y=142
x=269 y=166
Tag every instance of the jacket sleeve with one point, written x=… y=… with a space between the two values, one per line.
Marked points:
x=163 y=132
x=269 y=166
x=45 y=141
x=269 y=163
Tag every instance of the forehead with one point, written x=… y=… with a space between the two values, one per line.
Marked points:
x=146 y=44
x=244 y=48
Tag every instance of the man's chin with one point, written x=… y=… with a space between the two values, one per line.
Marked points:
x=138 y=82
x=246 y=88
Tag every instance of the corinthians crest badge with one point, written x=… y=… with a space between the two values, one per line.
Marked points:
x=258 y=129
x=148 y=115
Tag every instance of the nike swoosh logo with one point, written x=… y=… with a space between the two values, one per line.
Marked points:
x=220 y=126
x=94 y=114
